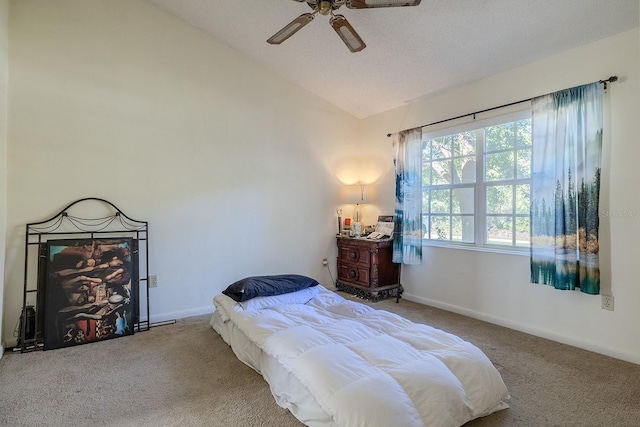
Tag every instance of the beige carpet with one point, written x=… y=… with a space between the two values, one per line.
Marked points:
x=185 y=375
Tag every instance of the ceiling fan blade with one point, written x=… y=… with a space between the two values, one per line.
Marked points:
x=347 y=33
x=366 y=4
x=291 y=28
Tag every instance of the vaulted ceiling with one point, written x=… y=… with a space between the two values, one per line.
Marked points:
x=411 y=52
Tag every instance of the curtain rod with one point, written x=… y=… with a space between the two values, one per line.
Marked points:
x=605 y=81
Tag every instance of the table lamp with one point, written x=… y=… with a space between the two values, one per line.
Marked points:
x=357 y=194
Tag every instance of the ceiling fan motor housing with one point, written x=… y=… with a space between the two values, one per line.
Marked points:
x=325 y=7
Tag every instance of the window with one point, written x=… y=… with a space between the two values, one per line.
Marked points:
x=476 y=183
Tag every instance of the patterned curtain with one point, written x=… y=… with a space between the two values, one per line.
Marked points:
x=407 y=158
x=565 y=188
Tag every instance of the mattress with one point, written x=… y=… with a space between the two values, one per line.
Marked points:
x=334 y=362
x=296 y=398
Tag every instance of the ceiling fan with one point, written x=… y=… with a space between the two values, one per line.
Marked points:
x=338 y=22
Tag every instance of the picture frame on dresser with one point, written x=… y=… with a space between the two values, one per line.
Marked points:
x=346 y=227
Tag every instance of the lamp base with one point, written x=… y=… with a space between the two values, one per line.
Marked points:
x=357 y=213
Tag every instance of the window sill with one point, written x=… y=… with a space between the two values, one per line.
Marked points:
x=474 y=248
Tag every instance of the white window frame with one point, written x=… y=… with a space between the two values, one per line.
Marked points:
x=480 y=214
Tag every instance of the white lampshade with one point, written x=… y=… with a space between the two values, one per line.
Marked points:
x=357 y=194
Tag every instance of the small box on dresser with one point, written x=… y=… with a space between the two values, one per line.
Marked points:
x=365 y=268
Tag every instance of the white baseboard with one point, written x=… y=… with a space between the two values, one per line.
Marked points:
x=174 y=315
x=563 y=339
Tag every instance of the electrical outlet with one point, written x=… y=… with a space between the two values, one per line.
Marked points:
x=153 y=281
x=607 y=302
x=324 y=261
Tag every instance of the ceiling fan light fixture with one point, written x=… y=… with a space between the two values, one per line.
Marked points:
x=324 y=7
x=366 y=4
x=291 y=28
x=347 y=33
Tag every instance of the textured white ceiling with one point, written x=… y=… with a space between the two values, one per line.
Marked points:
x=411 y=52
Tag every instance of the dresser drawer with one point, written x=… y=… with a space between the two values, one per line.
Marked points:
x=355 y=255
x=354 y=274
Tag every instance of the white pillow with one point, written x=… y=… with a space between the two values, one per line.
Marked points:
x=299 y=297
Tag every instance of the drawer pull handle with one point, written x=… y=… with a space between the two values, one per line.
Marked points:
x=353 y=274
x=353 y=255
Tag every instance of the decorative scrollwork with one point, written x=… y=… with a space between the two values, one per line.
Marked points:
x=373 y=295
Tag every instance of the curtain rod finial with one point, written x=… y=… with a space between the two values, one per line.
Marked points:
x=609 y=80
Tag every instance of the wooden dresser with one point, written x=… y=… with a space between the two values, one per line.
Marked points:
x=365 y=268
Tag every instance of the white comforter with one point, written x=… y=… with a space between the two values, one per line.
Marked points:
x=367 y=367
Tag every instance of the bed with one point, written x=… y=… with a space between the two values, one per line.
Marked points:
x=337 y=362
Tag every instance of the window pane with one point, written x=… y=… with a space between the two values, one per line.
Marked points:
x=440 y=227
x=499 y=199
x=524 y=163
x=499 y=137
x=523 y=201
x=425 y=202
x=425 y=226
x=463 y=200
x=462 y=229
x=500 y=230
x=464 y=144
x=465 y=169
x=441 y=147
x=441 y=172
x=523 y=236
x=523 y=133
x=426 y=150
x=440 y=201
x=499 y=166
x=426 y=174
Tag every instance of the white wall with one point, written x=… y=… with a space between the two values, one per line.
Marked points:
x=234 y=168
x=496 y=287
x=237 y=172
x=4 y=67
